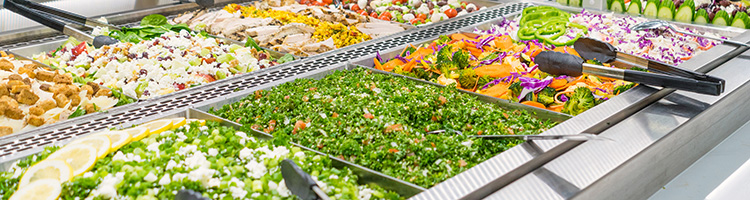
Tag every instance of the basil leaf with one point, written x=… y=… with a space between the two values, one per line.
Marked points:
x=154 y=20
x=286 y=58
x=77 y=113
x=251 y=43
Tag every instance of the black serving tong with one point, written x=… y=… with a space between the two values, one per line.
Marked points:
x=47 y=19
x=660 y=74
x=300 y=183
x=576 y=137
x=188 y=194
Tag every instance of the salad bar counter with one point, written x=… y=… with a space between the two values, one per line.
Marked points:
x=369 y=99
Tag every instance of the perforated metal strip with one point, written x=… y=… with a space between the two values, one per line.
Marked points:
x=23 y=145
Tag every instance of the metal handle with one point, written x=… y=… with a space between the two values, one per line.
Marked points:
x=714 y=38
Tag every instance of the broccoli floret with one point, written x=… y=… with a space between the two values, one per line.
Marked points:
x=581 y=100
x=546 y=96
x=468 y=78
x=622 y=88
x=446 y=67
x=483 y=81
x=443 y=39
x=461 y=58
x=515 y=88
x=444 y=55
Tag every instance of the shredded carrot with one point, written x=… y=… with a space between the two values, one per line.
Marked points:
x=377 y=64
x=558 y=83
x=534 y=104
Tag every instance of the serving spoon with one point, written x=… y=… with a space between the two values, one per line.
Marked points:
x=661 y=23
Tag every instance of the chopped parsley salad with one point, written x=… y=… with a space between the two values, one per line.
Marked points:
x=379 y=121
x=157 y=159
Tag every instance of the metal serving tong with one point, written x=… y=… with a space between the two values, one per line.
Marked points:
x=577 y=137
x=46 y=18
x=663 y=75
x=300 y=183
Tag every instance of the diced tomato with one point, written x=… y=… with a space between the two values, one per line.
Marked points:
x=207 y=77
x=209 y=60
x=79 y=49
x=327 y=1
x=374 y=14
x=386 y=13
x=355 y=8
x=369 y=116
x=422 y=16
x=299 y=125
x=432 y=11
x=386 y=18
x=179 y=86
x=393 y=150
x=304 y=1
x=396 y=2
x=362 y=12
x=416 y=21
x=451 y=13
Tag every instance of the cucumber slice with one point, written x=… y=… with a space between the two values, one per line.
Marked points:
x=666 y=11
x=617 y=6
x=684 y=14
x=741 y=20
x=722 y=18
x=652 y=8
x=701 y=17
x=635 y=7
x=575 y=2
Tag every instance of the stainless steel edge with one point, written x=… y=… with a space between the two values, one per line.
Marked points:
x=653 y=145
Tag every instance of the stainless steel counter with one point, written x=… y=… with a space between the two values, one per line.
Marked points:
x=651 y=147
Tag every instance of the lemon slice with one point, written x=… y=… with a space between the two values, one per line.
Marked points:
x=46 y=169
x=137 y=133
x=118 y=139
x=43 y=189
x=80 y=157
x=158 y=126
x=177 y=122
x=200 y=121
x=100 y=142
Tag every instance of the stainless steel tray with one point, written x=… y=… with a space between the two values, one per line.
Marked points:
x=365 y=175
x=318 y=74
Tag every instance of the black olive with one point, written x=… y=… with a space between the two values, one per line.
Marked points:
x=470 y=9
x=442 y=3
x=430 y=5
x=418 y=4
x=390 y=8
x=459 y=9
x=347 y=6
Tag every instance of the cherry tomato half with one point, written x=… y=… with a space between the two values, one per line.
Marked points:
x=79 y=49
x=374 y=14
x=422 y=16
x=386 y=18
x=355 y=8
x=451 y=13
x=327 y=2
x=362 y=12
x=386 y=13
x=416 y=21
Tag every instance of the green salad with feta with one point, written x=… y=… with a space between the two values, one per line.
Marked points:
x=214 y=160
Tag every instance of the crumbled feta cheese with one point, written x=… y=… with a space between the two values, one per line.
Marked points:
x=213 y=152
x=150 y=177
x=255 y=169
x=165 y=180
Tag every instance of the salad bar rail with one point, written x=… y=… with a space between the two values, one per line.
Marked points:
x=655 y=133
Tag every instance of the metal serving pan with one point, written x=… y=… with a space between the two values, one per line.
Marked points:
x=411 y=189
x=368 y=62
x=365 y=175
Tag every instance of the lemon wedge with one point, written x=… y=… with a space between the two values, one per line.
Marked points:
x=118 y=139
x=43 y=189
x=158 y=126
x=137 y=133
x=200 y=121
x=100 y=142
x=177 y=122
x=80 y=157
x=46 y=169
